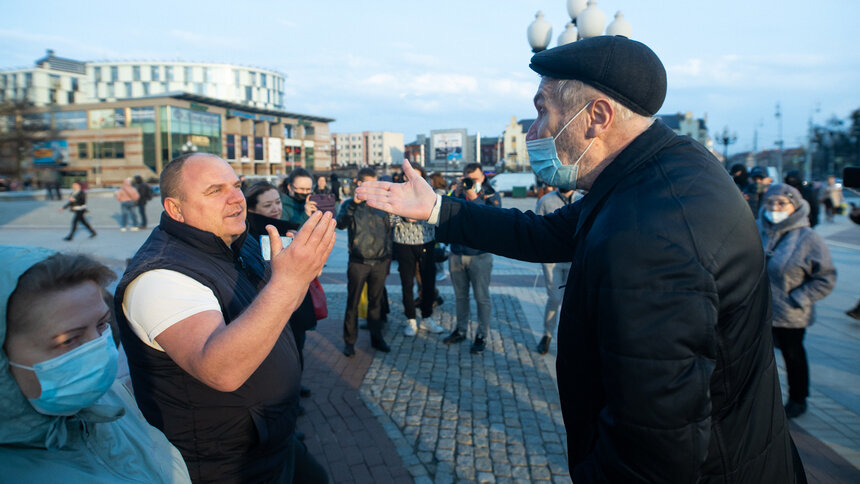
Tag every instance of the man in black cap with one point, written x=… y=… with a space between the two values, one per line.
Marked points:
x=665 y=363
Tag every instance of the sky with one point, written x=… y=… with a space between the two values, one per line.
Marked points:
x=411 y=67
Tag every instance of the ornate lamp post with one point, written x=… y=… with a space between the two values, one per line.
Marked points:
x=726 y=138
x=586 y=20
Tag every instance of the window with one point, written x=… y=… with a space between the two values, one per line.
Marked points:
x=253 y=78
x=28 y=79
x=258 y=148
x=309 y=130
x=83 y=151
x=145 y=89
x=262 y=79
x=97 y=73
x=110 y=90
x=244 y=146
x=108 y=150
x=135 y=73
x=249 y=93
x=189 y=75
x=231 y=147
x=236 y=76
x=128 y=89
x=74 y=84
x=154 y=73
x=64 y=120
x=114 y=73
x=168 y=73
x=207 y=74
x=70 y=98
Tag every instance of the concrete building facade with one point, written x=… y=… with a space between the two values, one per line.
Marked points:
x=57 y=80
x=104 y=143
x=367 y=148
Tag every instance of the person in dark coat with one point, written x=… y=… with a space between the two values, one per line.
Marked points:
x=77 y=204
x=665 y=363
x=145 y=192
x=795 y=179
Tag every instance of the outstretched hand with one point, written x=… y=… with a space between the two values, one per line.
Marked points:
x=413 y=199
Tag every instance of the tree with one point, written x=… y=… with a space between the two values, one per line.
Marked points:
x=21 y=127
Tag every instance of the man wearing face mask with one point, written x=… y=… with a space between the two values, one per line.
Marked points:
x=665 y=367
x=296 y=189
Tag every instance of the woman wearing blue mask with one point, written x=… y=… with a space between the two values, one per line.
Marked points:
x=800 y=272
x=65 y=416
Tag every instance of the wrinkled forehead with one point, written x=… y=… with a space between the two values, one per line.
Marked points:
x=302 y=182
x=204 y=170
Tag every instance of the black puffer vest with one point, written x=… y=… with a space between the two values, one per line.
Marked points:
x=240 y=436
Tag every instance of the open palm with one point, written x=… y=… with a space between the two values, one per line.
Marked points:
x=413 y=199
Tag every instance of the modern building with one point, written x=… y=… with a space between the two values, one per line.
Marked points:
x=106 y=142
x=57 y=80
x=367 y=148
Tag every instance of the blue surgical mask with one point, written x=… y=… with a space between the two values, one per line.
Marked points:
x=75 y=380
x=543 y=157
x=776 y=217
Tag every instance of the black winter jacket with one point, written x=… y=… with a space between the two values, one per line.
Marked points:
x=665 y=362
x=224 y=437
x=369 y=230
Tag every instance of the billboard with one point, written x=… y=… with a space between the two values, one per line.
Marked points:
x=51 y=152
x=448 y=146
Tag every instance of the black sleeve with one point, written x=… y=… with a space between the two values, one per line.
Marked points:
x=509 y=232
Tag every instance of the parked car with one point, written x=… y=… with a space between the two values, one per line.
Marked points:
x=505 y=182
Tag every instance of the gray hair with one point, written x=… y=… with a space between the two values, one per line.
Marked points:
x=575 y=94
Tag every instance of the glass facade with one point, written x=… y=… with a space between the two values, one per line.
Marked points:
x=108 y=150
x=145 y=119
x=64 y=120
x=189 y=129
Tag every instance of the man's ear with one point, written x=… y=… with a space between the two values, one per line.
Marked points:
x=173 y=209
x=602 y=115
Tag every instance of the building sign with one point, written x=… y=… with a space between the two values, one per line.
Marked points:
x=51 y=152
x=198 y=107
x=275 y=151
x=255 y=117
x=448 y=146
x=107 y=118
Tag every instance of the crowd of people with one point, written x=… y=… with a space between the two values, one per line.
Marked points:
x=668 y=295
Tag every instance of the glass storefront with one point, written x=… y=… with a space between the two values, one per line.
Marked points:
x=186 y=130
x=145 y=118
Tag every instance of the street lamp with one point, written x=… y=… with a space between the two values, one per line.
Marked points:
x=726 y=138
x=586 y=20
x=189 y=147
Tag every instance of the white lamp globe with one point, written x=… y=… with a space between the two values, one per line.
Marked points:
x=620 y=26
x=569 y=35
x=575 y=7
x=539 y=33
x=590 y=21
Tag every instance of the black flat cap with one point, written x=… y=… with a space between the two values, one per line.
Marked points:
x=626 y=70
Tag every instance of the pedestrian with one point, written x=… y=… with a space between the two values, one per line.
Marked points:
x=335 y=187
x=322 y=187
x=555 y=274
x=801 y=272
x=296 y=189
x=77 y=204
x=203 y=317
x=760 y=182
x=264 y=208
x=795 y=179
x=144 y=195
x=665 y=361
x=369 y=242
x=66 y=418
x=414 y=241
x=127 y=197
x=747 y=187
x=473 y=267
x=832 y=198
